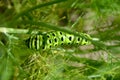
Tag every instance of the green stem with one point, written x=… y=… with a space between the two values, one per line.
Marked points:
x=13 y=30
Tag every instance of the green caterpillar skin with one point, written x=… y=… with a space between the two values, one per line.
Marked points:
x=56 y=38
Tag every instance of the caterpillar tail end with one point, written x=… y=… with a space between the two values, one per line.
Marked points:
x=27 y=42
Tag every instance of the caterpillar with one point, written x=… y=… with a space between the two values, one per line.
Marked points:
x=55 y=38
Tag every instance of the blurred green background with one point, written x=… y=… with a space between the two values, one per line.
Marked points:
x=98 y=18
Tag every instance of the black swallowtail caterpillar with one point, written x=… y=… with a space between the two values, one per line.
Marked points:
x=55 y=38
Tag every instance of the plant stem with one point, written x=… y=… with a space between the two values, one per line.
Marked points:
x=13 y=30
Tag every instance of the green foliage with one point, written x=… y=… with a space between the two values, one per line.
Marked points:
x=20 y=19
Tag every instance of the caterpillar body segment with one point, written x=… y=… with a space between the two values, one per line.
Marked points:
x=56 y=38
